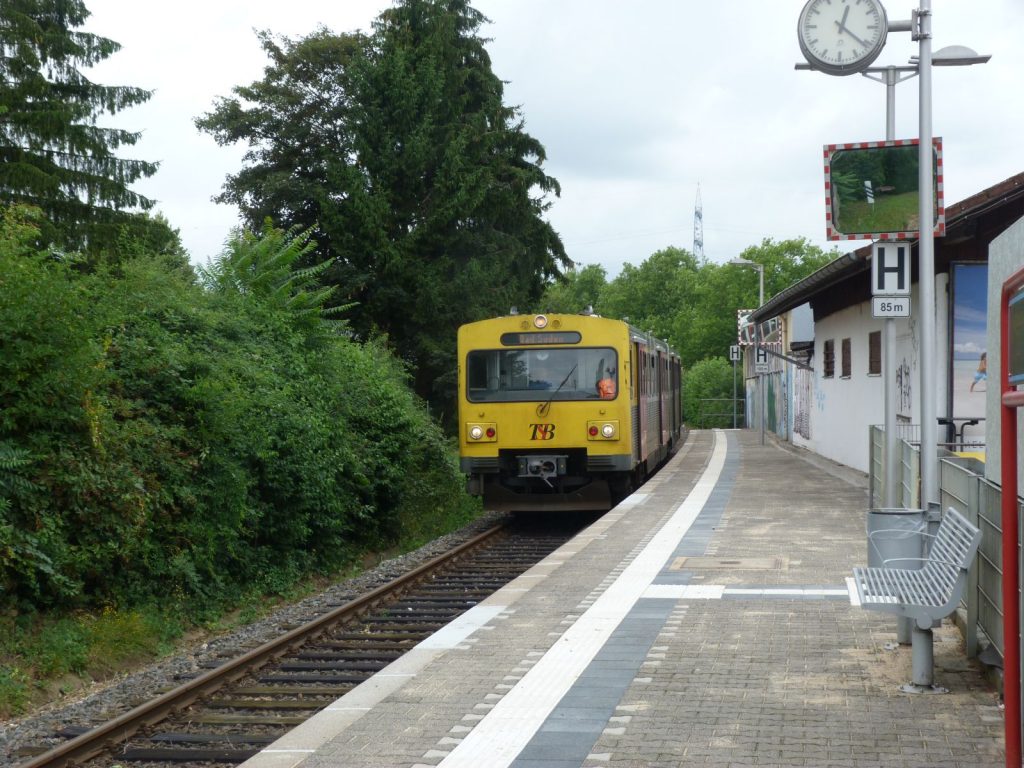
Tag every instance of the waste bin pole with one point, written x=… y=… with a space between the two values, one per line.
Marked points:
x=922 y=657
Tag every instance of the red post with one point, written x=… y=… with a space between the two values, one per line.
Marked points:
x=1011 y=400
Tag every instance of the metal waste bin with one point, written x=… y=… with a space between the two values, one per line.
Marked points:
x=893 y=533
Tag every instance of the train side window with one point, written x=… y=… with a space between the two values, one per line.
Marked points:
x=476 y=372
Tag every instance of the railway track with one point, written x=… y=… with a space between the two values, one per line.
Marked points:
x=227 y=713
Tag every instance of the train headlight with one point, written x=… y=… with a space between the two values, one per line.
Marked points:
x=481 y=433
x=540 y=321
x=603 y=430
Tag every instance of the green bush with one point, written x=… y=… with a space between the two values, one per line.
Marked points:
x=193 y=442
x=708 y=394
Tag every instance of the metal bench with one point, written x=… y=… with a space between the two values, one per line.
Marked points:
x=925 y=594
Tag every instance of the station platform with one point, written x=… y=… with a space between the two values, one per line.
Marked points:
x=704 y=621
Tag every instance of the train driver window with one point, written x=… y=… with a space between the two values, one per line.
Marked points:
x=558 y=373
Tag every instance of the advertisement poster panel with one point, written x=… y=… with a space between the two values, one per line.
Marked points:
x=970 y=375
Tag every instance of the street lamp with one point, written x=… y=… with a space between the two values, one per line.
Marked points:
x=739 y=261
x=955 y=56
x=891 y=76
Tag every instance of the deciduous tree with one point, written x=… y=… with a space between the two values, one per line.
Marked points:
x=398 y=151
x=691 y=304
x=576 y=290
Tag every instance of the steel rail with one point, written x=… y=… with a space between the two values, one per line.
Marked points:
x=120 y=729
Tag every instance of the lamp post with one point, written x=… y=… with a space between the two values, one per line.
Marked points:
x=891 y=76
x=739 y=261
x=950 y=56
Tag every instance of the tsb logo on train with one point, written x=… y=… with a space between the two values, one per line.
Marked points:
x=542 y=431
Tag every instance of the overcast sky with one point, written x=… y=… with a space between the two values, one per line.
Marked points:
x=637 y=103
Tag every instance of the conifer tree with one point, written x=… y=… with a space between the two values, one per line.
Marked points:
x=52 y=154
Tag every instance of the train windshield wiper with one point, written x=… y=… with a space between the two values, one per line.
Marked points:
x=542 y=409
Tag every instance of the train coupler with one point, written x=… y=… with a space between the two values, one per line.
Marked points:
x=543 y=467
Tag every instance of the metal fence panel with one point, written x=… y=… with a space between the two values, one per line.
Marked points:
x=958 y=488
x=990 y=562
x=876 y=466
x=910 y=476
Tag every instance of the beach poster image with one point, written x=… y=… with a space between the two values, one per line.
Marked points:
x=970 y=357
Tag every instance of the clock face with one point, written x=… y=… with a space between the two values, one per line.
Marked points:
x=842 y=37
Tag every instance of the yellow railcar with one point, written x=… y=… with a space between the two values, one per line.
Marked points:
x=563 y=412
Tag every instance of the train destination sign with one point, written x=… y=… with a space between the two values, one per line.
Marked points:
x=540 y=337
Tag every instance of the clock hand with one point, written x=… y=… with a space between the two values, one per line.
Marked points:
x=843 y=28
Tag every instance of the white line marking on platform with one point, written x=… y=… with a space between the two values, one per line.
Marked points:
x=718 y=591
x=852 y=589
x=685 y=591
x=346 y=709
x=508 y=728
x=632 y=501
x=783 y=591
x=455 y=632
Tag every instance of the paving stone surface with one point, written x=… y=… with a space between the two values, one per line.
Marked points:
x=778 y=670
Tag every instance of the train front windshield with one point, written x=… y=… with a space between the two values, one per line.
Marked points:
x=513 y=375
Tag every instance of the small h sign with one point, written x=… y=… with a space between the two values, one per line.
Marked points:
x=761 y=360
x=890 y=269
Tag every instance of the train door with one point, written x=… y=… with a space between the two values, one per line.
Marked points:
x=660 y=395
x=639 y=416
x=677 y=396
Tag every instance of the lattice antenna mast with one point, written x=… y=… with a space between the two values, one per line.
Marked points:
x=698 y=228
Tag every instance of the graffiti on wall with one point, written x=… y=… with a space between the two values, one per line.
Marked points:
x=803 y=389
x=904 y=389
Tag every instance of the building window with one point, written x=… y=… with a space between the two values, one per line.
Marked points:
x=829 y=358
x=847 y=359
x=875 y=353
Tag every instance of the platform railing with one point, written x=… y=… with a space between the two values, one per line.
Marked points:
x=717 y=412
